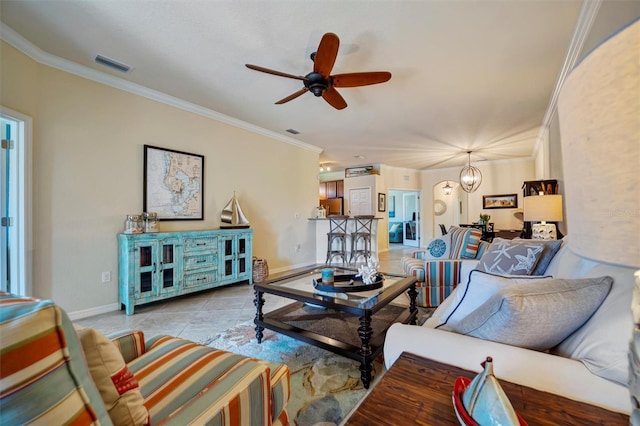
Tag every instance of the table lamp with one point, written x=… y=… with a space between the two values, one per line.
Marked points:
x=543 y=209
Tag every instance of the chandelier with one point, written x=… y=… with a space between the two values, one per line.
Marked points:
x=447 y=189
x=470 y=177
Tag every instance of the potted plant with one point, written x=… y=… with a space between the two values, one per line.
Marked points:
x=484 y=218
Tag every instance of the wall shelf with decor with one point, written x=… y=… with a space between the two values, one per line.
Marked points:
x=162 y=265
x=537 y=187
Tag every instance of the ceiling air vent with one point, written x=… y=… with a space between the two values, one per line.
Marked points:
x=293 y=131
x=112 y=64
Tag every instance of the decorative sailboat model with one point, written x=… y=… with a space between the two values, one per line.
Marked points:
x=232 y=215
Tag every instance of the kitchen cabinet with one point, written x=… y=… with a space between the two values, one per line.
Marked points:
x=331 y=189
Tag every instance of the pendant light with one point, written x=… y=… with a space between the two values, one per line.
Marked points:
x=470 y=177
x=447 y=189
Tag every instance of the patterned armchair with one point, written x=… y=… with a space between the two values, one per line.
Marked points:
x=439 y=268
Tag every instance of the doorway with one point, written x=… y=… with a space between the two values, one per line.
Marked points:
x=404 y=211
x=15 y=202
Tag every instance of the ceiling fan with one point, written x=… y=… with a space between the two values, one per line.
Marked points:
x=320 y=82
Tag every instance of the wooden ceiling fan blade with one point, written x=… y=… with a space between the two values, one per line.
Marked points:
x=334 y=98
x=292 y=96
x=360 y=78
x=274 y=72
x=326 y=54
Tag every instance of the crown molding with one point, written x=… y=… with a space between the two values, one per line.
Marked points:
x=14 y=39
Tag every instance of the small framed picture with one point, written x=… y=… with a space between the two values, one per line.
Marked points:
x=502 y=201
x=382 y=202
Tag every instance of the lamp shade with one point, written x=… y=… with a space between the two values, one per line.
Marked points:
x=598 y=110
x=543 y=208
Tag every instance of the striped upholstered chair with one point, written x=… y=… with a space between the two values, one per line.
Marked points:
x=53 y=374
x=439 y=268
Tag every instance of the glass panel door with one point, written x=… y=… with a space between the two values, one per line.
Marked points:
x=9 y=196
x=167 y=265
x=145 y=268
x=411 y=219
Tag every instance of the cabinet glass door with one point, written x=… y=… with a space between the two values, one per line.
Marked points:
x=228 y=257
x=145 y=268
x=168 y=276
x=242 y=255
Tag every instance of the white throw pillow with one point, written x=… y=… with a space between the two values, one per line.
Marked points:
x=477 y=289
x=536 y=315
x=438 y=248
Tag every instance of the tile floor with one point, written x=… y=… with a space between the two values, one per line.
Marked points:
x=199 y=316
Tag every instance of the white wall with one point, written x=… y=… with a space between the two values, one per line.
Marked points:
x=498 y=177
x=88 y=170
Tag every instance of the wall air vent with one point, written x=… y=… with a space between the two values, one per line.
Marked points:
x=108 y=62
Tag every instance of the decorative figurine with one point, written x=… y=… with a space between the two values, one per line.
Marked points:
x=369 y=272
x=482 y=401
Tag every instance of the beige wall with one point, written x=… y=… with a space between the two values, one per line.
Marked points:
x=88 y=170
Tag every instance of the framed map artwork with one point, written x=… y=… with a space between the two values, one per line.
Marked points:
x=173 y=182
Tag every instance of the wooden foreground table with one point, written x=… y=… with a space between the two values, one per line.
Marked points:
x=417 y=391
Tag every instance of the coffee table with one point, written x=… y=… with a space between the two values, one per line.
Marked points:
x=351 y=324
x=418 y=390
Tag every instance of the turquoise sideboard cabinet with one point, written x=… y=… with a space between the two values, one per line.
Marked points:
x=162 y=265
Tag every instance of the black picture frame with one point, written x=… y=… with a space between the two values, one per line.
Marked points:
x=382 y=202
x=500 y=201
x=173 y=185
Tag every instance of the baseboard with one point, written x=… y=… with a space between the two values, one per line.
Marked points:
x=115 y=306
x=93 y=311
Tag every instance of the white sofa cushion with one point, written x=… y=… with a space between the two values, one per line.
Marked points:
x=472 y=292
x=602 y=343
x=537 y=314
x=538 y=370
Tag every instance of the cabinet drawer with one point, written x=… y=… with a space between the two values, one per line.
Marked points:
x=205 y=260
x=196 y=279
x=201 y=243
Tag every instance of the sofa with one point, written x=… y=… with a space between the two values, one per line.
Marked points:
x=438 y=268
x=395 y=232
x=53 y=373
x=577 y=351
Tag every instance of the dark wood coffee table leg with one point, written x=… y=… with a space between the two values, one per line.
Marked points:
x=258 y=303
x=413 y=308
x=365 y=332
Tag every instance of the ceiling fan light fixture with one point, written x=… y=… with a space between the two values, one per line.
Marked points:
x=470 y=177
x=320 y=82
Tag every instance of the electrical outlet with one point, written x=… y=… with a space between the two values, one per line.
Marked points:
x=106 y=277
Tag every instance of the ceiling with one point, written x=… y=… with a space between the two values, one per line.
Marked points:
x=467 y=75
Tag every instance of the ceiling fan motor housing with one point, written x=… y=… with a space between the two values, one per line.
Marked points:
x=316 y=83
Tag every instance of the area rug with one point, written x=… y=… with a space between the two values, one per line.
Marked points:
x=324 y=386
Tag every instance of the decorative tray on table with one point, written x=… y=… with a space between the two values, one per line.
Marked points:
x=347 y=284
